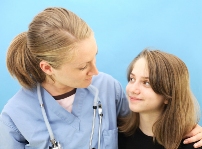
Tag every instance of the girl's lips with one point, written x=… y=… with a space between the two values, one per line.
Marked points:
x=134 y=99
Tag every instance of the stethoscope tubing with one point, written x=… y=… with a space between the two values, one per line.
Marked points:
x=93 y=128
x=96 y=104
x=52 y=138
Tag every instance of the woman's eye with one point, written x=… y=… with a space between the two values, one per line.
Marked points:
x=83 y=68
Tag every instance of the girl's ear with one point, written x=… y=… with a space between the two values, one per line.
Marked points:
x=166 y=101
x=46 y=67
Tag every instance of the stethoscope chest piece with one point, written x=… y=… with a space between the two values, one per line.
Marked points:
x=56 y=145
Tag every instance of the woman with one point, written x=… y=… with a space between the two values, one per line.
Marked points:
x=62 y=90
x=163 y=108
x=55 y=62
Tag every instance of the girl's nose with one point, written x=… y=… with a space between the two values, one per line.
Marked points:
x=134 y=88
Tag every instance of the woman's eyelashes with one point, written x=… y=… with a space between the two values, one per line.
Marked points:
x=83 y=68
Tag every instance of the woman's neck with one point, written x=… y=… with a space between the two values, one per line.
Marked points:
x=55 y=89
x=147 y=121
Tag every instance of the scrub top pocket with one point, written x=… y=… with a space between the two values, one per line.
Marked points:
x=110 y=139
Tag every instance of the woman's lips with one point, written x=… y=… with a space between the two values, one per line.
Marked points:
x=89 y=79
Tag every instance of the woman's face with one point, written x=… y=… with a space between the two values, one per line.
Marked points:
x=141 y=97
x=79 y=71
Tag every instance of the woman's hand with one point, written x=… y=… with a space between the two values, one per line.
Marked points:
x=194 y=136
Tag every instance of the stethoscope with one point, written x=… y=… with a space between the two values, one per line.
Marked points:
x=96 y=105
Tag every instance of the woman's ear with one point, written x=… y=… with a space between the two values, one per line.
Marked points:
x=46 y=67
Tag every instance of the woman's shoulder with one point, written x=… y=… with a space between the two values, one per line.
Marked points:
x=102 y=75
x=105 y=82
x=105 y=79
x=20 y=100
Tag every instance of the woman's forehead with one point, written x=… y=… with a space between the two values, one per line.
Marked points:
x=84 y=51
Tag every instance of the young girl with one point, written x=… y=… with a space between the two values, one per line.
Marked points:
x=163 y=108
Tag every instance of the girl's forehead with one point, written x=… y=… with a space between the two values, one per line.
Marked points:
x=140 y=68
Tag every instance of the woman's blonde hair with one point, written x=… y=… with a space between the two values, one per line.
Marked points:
x=51 y=36
x=169 y=77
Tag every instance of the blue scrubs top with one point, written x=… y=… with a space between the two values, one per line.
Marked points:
x=22 y=124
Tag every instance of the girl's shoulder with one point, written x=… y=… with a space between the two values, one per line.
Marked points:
x=187 y=146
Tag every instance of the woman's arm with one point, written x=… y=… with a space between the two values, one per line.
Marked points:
x=194 y=136
x=10 y=138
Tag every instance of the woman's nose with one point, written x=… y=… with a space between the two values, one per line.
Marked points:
x=93 y=70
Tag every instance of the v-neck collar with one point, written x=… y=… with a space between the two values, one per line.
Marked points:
x=51 y=105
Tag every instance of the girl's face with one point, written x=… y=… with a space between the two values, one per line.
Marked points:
x=141 y=97
x=79 y=72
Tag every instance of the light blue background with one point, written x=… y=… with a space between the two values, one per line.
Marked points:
x=122 y=29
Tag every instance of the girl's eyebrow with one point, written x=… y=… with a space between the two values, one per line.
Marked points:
x=143 y=77
x=131 y=74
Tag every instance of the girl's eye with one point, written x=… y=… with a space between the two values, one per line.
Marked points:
x=147 y=83
x=132 y=79
x=83 y=68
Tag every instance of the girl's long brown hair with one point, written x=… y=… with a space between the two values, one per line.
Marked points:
x=169 y=77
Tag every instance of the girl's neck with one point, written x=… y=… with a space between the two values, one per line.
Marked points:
x=146 y=123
